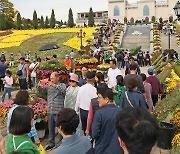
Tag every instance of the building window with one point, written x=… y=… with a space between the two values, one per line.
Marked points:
x=146 y=10
x=116 y=11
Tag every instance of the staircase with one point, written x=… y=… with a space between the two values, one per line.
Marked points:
x=137 y=35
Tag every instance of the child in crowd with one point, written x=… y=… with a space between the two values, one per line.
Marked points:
x=118 y=90
x=8 y=81
x=20 y=126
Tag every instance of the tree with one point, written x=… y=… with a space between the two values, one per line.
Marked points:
x=153 y=19
x=42 y=22
x=125 y=20
x=52 y=20
x=19 y=22
x=61 y=23
x=35 y=20
x=70 y=18
x=47 y=22
x=7 y=15
x=91 y=18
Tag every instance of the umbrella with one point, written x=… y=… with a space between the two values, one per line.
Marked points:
x=49 y=47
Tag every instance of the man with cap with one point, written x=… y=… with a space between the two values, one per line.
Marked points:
x=3 y=68
x=155 y=83
x=85 y=94
x=32 y=69
x=23 y=76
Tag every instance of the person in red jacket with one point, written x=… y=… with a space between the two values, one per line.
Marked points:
x=67 y=62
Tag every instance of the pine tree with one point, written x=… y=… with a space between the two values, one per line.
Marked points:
x=19 y=22
x=35 y=20
x=70 y=19
x=47 y=22
x=91 y=18
x=153 y=19
x=52 y=20
x=61 y=23
x=42 y=22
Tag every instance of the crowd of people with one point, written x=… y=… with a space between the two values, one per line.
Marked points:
x=89 y=113
x=93 y=114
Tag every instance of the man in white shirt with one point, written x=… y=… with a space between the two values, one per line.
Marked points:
x=112 y=73
x=32 y=68
x=85 y=94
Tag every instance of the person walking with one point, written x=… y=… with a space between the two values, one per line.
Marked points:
x=119 y=56
x=133 y=74
x=148 y=92
x=71 y=92
x=11 y=60
x=131 y=61
x=112 y=73
x=32 y=69
x=55 y=98
x=3 y=68
x=156 y=86
x=8 y=81
x=83 y=76
x=103 y=126
x=85 y=94
x=132 y=97
x=119 y=89
x=22 y=73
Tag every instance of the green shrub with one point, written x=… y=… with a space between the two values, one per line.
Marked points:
x=134 y=51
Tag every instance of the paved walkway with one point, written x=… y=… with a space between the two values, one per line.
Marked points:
x=173 y=42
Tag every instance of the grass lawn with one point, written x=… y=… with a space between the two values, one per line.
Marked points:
x=35 y=43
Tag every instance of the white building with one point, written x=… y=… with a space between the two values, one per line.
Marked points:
x=99 y=18
x=119 y=9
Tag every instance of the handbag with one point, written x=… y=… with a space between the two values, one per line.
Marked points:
x=128 y=99
x=19 y=72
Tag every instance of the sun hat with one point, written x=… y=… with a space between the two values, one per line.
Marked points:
x=150 y=70
x=74 y=77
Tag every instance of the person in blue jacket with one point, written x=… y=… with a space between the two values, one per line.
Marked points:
x=103 y=126
x=132 y=97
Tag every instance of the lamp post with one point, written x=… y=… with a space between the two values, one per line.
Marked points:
x=169 y=35
x=80 y=35
x=177 y=10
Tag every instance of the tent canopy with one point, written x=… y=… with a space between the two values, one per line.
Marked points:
x=49 y=47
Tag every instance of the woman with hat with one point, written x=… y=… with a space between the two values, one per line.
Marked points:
x=71 y=92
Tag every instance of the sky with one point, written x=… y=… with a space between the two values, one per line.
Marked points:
x=61 y=7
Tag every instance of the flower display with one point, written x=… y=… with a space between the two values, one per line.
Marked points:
x=156 y=38
x=45 y=69
x=172 y=81
x=175 y=119
x=176 y=140
x=103 y=67
x=39 y=107
x=90 y=62
x=19 y=36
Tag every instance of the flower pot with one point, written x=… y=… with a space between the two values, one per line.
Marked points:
x=41 y=133
x=166 y=132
